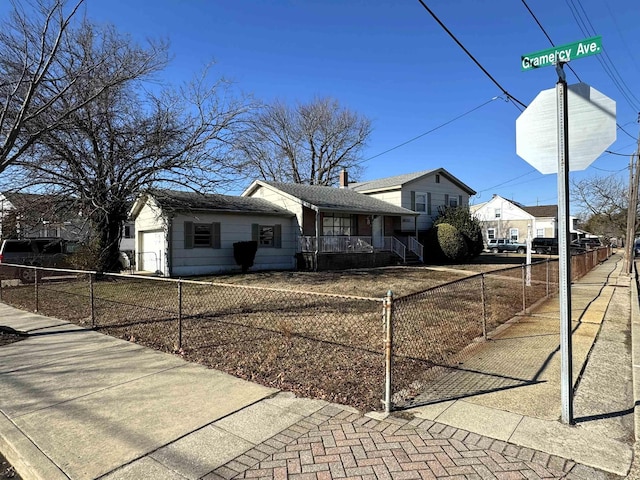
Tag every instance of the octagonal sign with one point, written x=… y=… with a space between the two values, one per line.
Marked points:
x=592 y=128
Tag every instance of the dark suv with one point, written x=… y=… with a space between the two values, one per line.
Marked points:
x=39 y=252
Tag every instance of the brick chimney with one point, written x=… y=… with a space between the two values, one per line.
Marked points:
x=344 y=179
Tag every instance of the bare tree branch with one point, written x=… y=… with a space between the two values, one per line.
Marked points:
x=309 y=143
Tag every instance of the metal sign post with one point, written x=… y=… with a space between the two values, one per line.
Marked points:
x=545 y=133
x=566 y=360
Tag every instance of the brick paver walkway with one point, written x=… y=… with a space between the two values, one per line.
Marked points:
x=338 y=443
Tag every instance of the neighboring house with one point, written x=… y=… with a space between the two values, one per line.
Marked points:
x=503 y=218
x=340 y=228
x=29 y=215
x=189 y=233
x=423 y=192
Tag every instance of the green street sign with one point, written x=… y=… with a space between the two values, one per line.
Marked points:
x=563 y=53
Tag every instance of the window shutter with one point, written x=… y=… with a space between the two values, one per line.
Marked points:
x=188 y=234
x=446 y=199
x=215 y=235
x=413 y=201
x=277 y=236
x=255 y=232
x=459 y=200
x=429 y=203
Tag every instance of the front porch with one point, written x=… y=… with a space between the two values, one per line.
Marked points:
x=334 y=252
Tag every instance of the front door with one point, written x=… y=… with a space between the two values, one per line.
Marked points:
x=377 y=232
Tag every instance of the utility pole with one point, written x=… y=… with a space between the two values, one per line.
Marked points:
x=632 y=208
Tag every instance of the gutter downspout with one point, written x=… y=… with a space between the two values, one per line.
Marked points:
x=170 y=247
x=315 y=253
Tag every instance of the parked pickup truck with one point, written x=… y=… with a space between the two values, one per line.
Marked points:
x=499 y=245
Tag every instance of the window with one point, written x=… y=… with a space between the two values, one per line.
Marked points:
x=267 y=236
x=513 y=234
x=497 y=212
x=453 y=202
x=421 y=202
x=128 y=231
x=201 y=235
x=437 y=178
x=337 y=224
x=491 y=233
x=540 y=232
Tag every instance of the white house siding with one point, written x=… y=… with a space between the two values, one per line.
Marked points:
x=511 y=217
x=233 y=228
x=282 y=201
x=438 y=191
x=150 y=219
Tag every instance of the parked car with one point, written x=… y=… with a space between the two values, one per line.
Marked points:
x=545 y=246
x=590 y=243
x=498 y=245
x=40 y=252
x=549 y=246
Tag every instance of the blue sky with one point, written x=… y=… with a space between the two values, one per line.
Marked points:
x=389 y=60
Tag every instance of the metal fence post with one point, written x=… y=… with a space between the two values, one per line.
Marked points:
x=547 y=283
x=484 y=306
x=179 y=315
x=388 y=348
x=524 y=290
x=92 y=301
x=36 y=289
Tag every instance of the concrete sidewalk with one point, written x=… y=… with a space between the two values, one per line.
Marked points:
x=77 y=404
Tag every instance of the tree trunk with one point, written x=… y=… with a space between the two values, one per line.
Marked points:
x=108 y=233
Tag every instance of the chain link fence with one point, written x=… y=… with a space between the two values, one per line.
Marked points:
x=433 y=332
x=321 y=345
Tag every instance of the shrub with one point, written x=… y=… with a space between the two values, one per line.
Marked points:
x=460 y=217
x=244 y=254
x=445 y=243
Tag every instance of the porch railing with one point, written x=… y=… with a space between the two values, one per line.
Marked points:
x=416 y=247
x=336 y=244
x=398 y=248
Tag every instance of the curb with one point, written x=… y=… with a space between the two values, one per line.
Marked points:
x=635 y=347
x=27 y=459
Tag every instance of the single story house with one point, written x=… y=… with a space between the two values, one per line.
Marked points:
x=424 y=193
x=190 y=233
x=339 y=227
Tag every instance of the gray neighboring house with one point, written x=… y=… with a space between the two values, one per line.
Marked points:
x=31 y=215
x=190 y=233
x=338 y=227
x=424 y=193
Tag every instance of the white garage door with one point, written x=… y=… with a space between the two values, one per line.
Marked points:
x=151 y=255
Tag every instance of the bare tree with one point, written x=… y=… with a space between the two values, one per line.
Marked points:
x=127 y=140
x=309 y=143
x=46 y=53
x=603 y=201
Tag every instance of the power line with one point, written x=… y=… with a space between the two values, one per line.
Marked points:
x=484 y=70
x=605 y=61
x=432 y=130
x=547 y=35
x=586 y=32
x=508 y=181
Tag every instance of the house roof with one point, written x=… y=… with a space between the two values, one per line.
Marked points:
x=38 y=206
x=332 y=199
x=179 y=201
x=542 y=210
x=399 y=181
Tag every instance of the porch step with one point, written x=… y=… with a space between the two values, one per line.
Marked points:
x=412 y=259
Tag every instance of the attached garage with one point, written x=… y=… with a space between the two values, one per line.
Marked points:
x=151 y=254
x=189 y=233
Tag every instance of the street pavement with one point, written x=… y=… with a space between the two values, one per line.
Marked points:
x=76 y=404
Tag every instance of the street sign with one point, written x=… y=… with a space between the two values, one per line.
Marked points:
x=563 y=53
x=592 y=128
